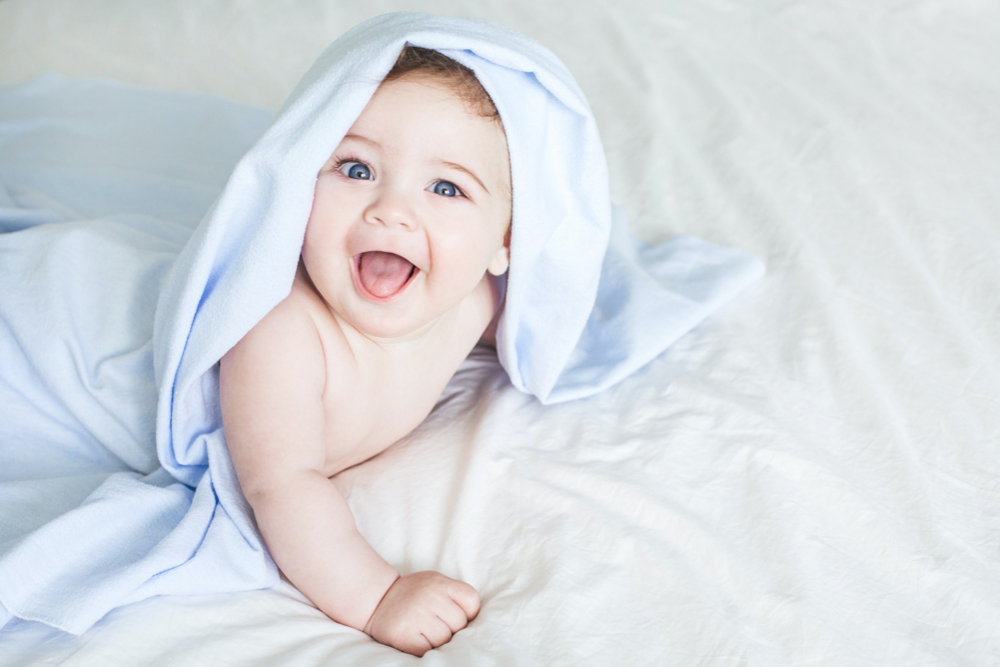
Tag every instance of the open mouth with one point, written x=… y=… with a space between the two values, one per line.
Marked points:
x=382 y=275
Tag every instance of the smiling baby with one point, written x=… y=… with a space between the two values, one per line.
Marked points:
x=396 y=284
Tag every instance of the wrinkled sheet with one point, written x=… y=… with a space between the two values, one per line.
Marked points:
x=811 y=478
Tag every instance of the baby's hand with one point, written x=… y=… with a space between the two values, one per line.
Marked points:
x=421 y=611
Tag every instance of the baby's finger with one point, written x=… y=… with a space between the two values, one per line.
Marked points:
x=417 y=645
x=465 y=596
x=436 y=631
x=453 y=616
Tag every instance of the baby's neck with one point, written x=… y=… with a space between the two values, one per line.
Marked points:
x=408 y=343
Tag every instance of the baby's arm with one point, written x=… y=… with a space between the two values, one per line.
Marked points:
x=272 y=385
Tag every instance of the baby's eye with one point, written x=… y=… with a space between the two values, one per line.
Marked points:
x=445 y=189
x=357 y=170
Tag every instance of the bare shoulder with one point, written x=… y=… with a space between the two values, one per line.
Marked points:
x=284 y=342
x=271 y=385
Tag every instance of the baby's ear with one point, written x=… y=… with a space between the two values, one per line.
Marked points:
x=501 y=261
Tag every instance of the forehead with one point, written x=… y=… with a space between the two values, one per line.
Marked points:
x=418 y=116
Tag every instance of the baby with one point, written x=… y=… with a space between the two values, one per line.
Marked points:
x=410 y=225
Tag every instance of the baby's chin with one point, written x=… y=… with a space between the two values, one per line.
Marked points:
x=392 y=328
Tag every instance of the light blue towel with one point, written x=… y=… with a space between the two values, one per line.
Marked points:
x=89 y=520
x=113 y=319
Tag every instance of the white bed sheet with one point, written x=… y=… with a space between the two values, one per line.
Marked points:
x=812 y=477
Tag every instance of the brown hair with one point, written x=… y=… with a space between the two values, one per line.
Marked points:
x=418 y=61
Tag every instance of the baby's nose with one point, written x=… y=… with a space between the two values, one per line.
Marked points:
x=391 y=209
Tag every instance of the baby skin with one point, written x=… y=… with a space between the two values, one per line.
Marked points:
x=395 y=286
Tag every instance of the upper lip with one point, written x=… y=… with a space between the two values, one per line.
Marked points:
x=359 y=249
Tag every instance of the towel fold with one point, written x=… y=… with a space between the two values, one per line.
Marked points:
x=114 y=314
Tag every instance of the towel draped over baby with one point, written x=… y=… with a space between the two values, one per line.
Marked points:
x=113 y=316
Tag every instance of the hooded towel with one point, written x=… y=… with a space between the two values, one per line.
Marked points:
x=585 y=306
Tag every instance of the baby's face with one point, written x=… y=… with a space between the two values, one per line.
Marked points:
x=410 y=211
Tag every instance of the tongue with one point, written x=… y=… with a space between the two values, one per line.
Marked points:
x=383 y=273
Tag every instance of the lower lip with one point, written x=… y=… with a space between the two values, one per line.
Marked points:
x=363 y=291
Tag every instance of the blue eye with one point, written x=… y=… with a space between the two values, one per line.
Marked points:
x=445 y=189
x=356 y=170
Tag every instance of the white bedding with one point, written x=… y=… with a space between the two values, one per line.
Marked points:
x=813 y=477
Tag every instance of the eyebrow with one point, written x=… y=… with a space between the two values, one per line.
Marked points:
x=464 y=170
x=366 y=140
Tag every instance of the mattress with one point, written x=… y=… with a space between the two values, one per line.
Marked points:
x=810 y=477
